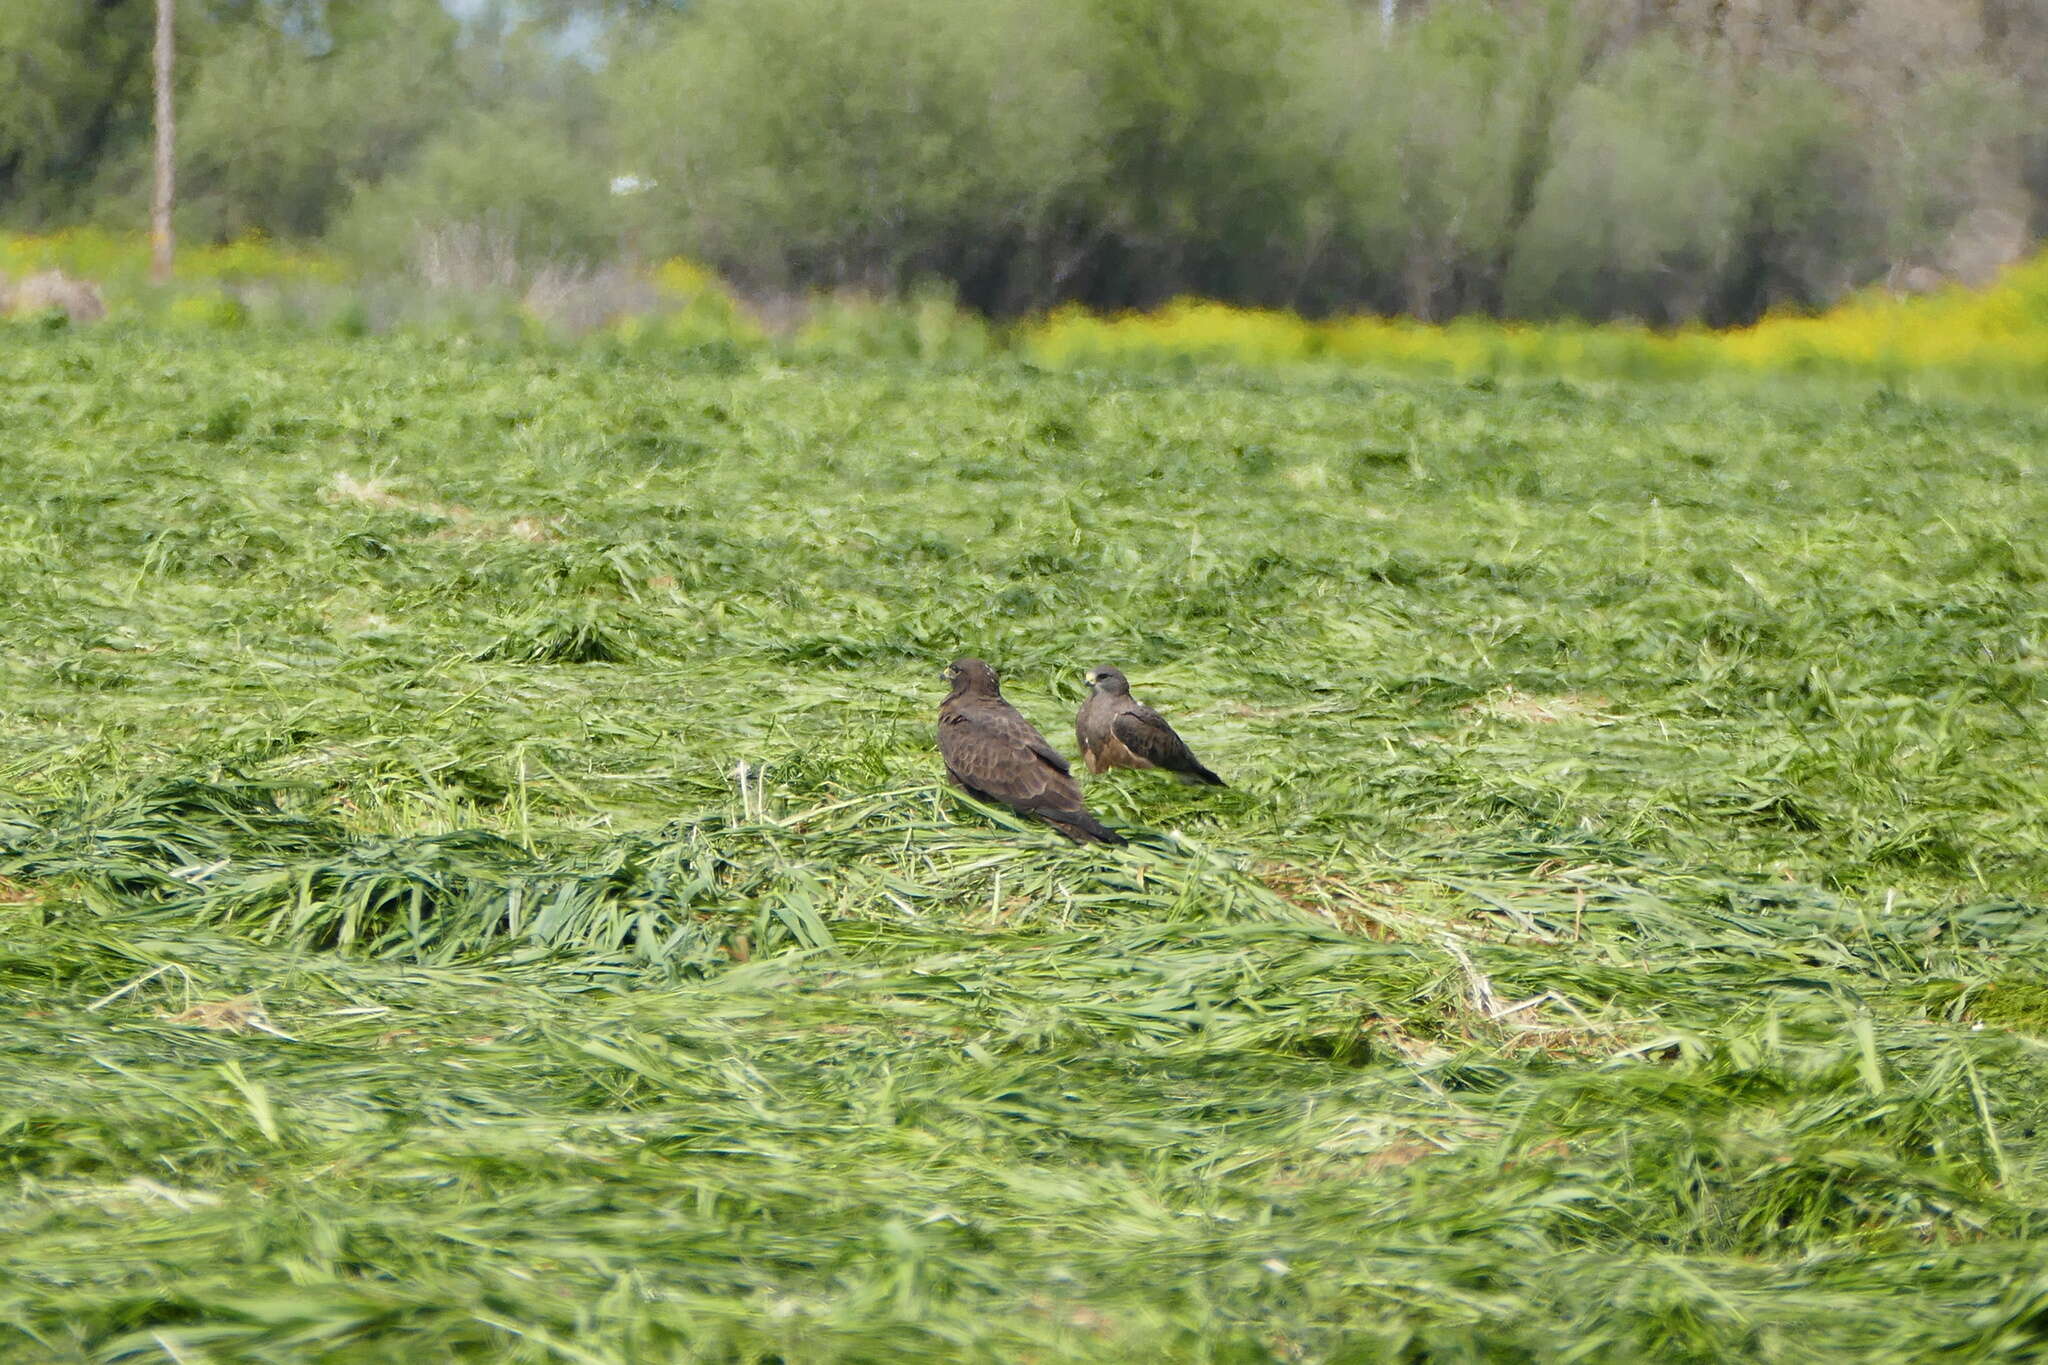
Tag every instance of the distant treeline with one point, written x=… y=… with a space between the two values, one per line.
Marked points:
x=1666 y=160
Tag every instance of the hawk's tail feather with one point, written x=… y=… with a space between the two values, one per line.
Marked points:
x=1083 y=828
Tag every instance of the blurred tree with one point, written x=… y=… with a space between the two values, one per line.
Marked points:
x=164 y=127
x=285 y=113
x=1660 y=159
x=74 y=88
x=828 y=142
x=518 y=174
x=1640 y=212
x=1193 y=193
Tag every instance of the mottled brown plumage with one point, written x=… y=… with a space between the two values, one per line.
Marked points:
x=992 y=752
x=1117 y=732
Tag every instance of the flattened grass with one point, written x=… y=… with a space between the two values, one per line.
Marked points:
x=474 y=879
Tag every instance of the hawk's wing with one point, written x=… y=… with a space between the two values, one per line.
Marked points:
x=996 y=753
x=1147 y=735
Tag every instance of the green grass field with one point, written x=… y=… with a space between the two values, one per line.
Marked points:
x=1623 y=939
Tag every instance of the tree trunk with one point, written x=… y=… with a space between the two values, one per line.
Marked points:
x=160 y=205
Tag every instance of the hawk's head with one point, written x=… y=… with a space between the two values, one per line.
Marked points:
x=972 y=675
x=1111 y=680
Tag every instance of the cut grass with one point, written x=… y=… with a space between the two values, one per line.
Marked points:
x=425 y=939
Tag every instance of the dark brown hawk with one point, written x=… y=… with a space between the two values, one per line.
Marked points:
x=995 y=754
x=1117 y=732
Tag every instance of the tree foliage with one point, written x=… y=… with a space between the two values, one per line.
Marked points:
x=1677 y=162
x=74 y=85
